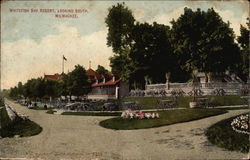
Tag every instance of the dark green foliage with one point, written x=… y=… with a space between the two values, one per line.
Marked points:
x=183 y=102
x=226 y=100
x=93 y=113
x=38 y=108
x=151 y=53
x=120 y=22
x=203 y=41
x=40 y=88
x=76 y=80
x=51 y=88
x=13 y=92
x=101 y=70
x=1 y=100
x=222 y=135
x=197 y=40
x=24 y=128
x=4 y=118
x=166 y=118
x=243 y=40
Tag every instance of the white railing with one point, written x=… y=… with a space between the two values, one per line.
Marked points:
x=165 y=89
x=222 y=85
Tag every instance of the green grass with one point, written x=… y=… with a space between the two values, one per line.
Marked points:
x=166 y=118
x=38 y=108
x=235 y=108
x=93 y=113
x=146 y=102
x=23 y=128
x=226 y=100
x=4 y=118
x=221 y=134
x=183 y=102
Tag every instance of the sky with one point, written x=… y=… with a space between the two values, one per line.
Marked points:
x=32 y=44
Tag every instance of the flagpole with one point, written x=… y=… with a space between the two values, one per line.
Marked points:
x=62 y=65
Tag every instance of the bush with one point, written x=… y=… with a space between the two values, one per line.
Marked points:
x=4 y=118
x=23 y=128
x=222 y=135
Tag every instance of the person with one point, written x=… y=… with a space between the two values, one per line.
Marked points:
x=45 y=106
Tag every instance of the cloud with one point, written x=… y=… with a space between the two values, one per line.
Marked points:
x=138 y=14
x=25 y=59
x=227 y=15
x=235 y=21
x=166 y=18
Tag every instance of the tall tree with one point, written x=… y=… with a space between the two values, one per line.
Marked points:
x=51 y=88
x=243 y=40
x=20 y=88
x=120 y=22
x=204 y=42
x=151 y=52
x=13 y=92
x=76 y=80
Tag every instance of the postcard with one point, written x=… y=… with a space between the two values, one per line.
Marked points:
x=124 y=80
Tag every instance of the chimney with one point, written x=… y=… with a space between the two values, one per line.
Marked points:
x=113 y=78
x=96 y=80
x=104 y=80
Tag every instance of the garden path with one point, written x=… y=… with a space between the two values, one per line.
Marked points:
x=80 y=137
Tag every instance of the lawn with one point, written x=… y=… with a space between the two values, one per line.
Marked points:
x=183 y=102
x=4 y=118
x=222 y=135
x=93 y=113
x=23 y=128
x=37 y=108
x=166 y=118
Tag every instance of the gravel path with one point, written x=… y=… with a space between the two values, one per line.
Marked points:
x=80 y=137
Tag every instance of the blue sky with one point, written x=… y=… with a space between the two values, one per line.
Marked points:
x=33 y=43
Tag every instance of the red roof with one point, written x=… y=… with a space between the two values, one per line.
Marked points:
x=109 y=77
x=90 y=72
x=52 y=77
x=109 y=83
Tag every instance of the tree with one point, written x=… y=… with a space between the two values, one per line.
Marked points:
x=20 y=88
x=63 y=85
x=151 y=53
x=14 y=92
x=51 y=88
x=202 y=41
x=76 y=80
x=120 y=22
x=101 y=70
x=243 y=40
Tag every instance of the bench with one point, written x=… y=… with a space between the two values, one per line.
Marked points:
x=164 y=104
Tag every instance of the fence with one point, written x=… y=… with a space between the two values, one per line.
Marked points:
x=207 y=88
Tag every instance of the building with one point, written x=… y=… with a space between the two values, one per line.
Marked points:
x=103 y=87
x=54 y=77
x=106 y=87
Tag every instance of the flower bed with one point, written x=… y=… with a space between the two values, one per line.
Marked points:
x=241 y=124
x=130 y=114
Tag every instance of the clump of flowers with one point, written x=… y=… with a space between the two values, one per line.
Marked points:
x=130 y=114
x=241 y=124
